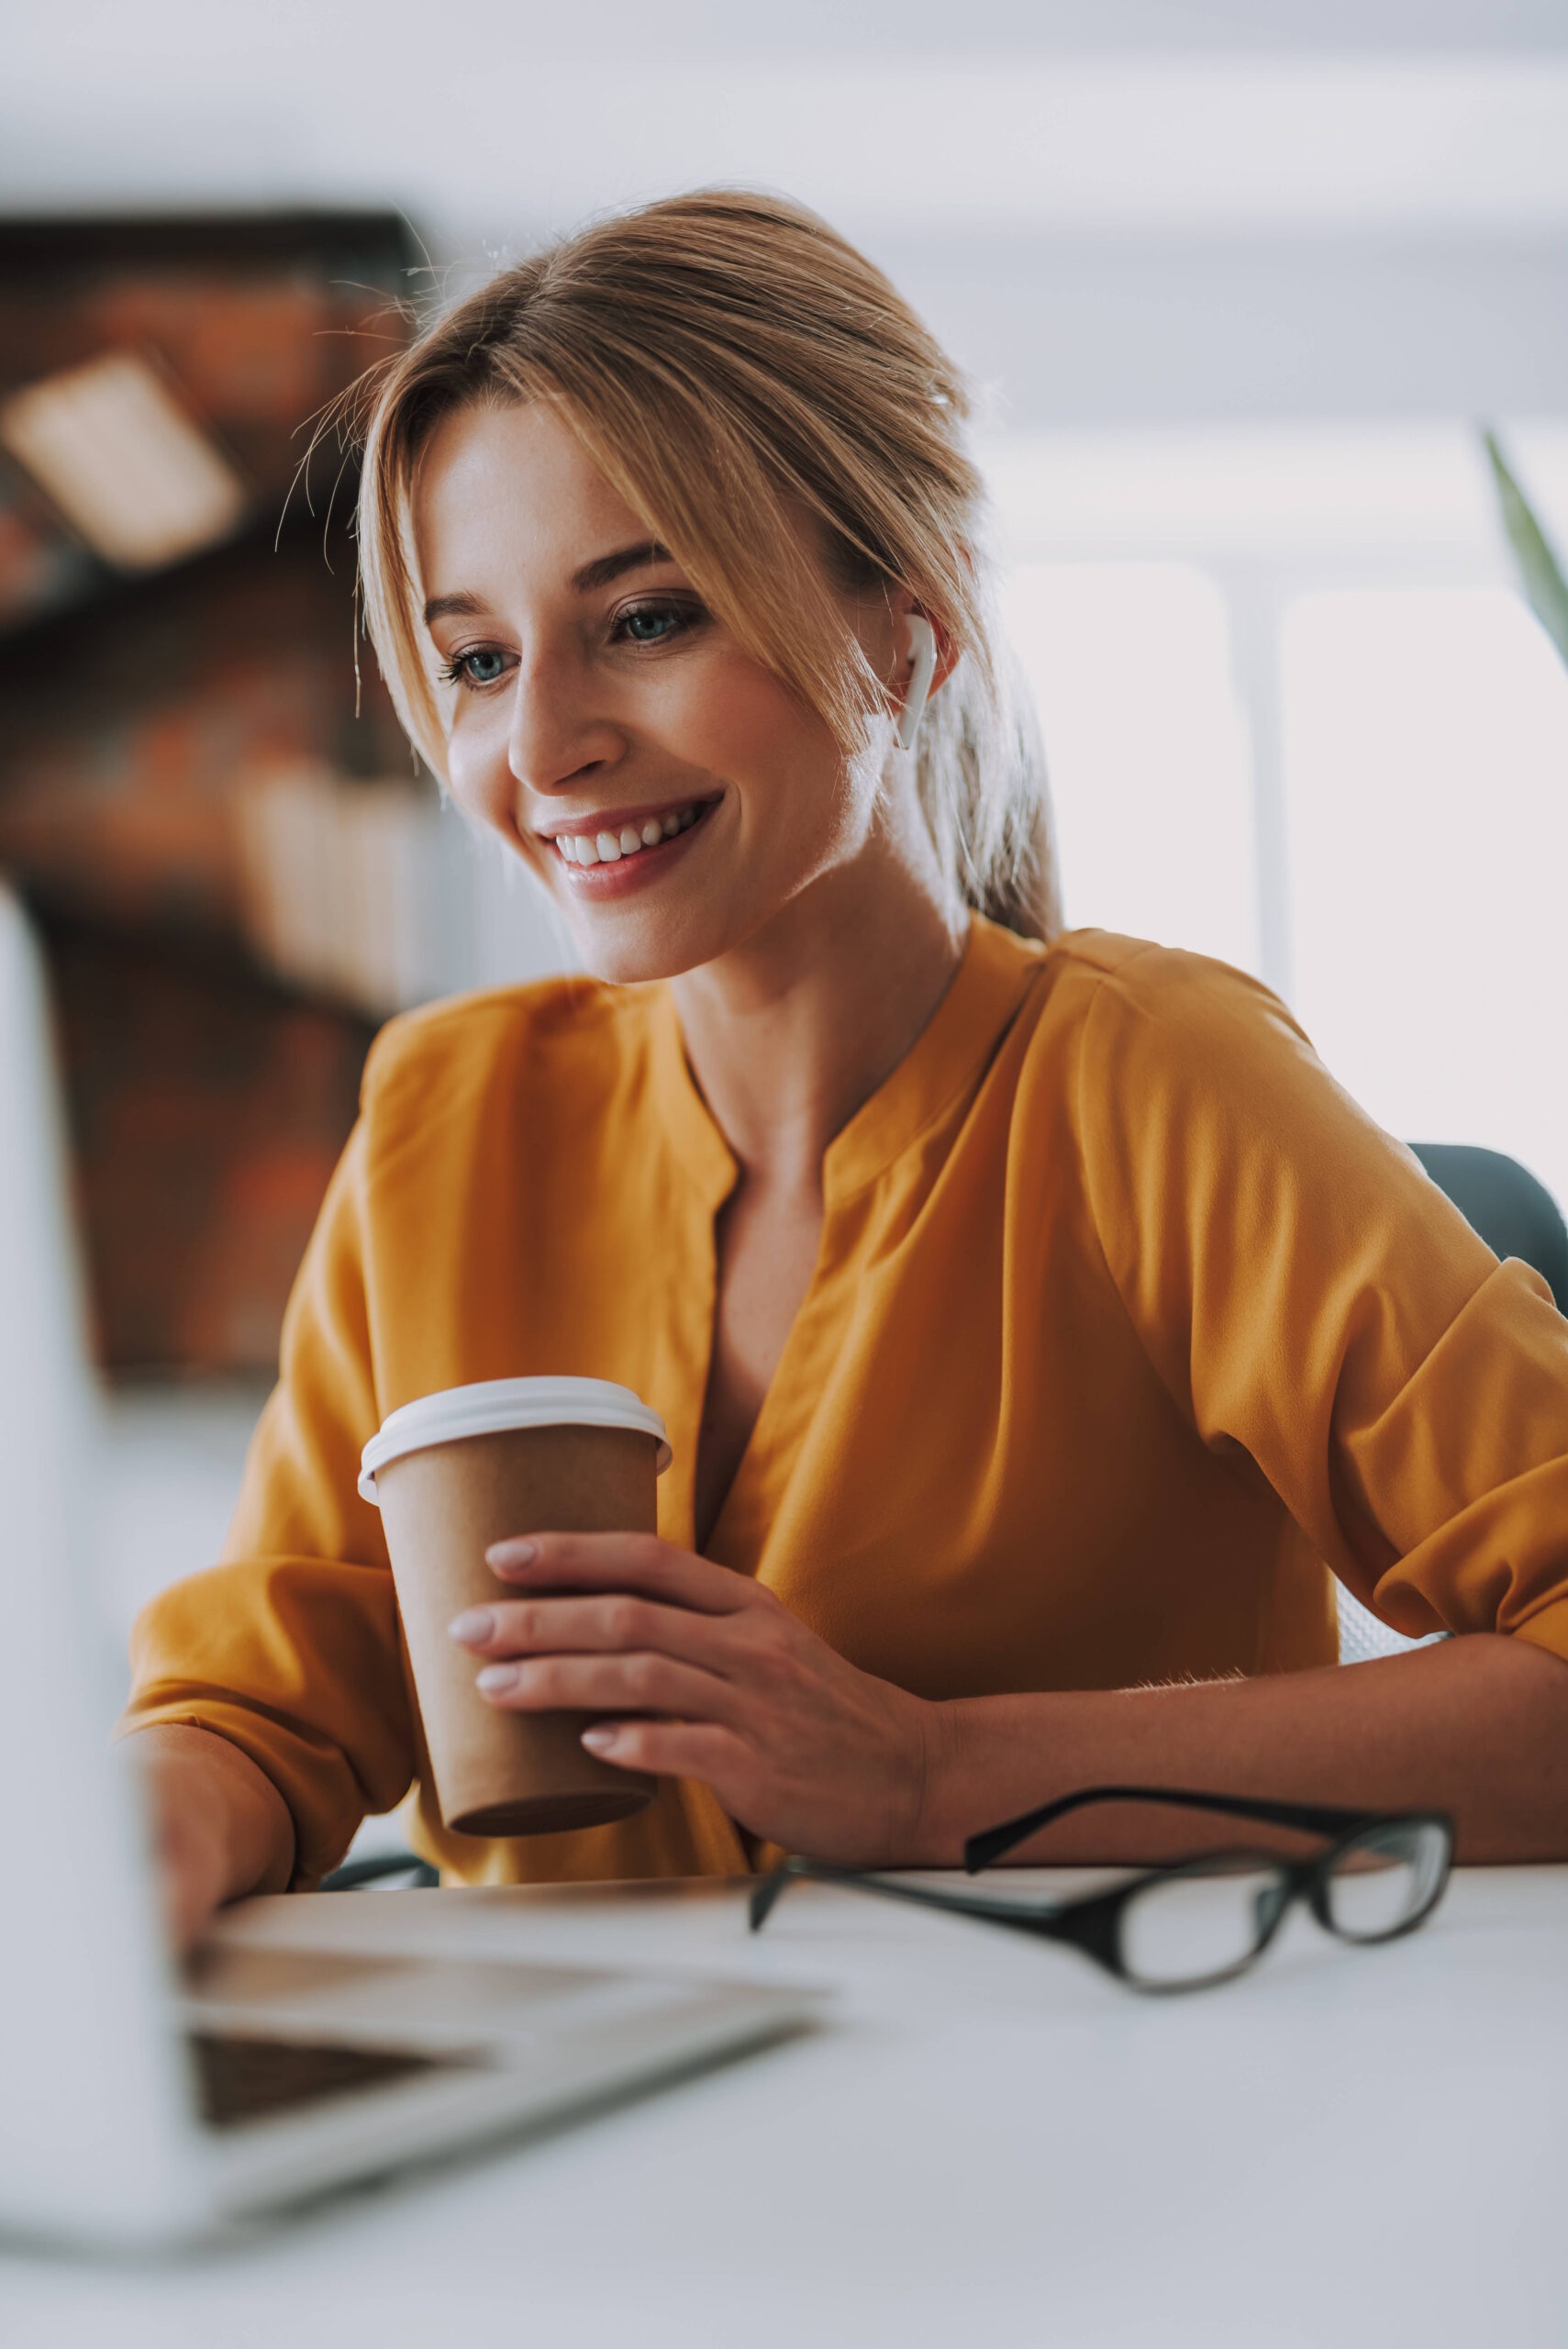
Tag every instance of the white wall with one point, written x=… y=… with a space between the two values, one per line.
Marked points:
x=1128 y=211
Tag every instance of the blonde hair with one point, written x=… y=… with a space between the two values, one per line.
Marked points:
x=728 y=362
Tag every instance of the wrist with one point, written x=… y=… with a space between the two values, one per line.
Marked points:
x=992 y=1758
x=935 y=1841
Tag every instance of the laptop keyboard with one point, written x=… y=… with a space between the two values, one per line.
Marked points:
x=243 y=2079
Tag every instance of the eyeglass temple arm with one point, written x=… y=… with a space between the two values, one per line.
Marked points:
x=983 y=1850
x=765 y=1892
x=765 y=1896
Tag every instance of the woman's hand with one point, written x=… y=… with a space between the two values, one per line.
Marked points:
x=220 y=1827
x=694 y=1672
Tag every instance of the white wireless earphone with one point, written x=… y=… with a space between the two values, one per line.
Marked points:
x=922 y=668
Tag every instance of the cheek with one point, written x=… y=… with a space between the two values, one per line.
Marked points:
x=477 y=774
x=743 y=727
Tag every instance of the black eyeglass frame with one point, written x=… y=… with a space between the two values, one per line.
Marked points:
x=1093 y=1923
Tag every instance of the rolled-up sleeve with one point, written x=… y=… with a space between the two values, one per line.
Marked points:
x=1311 y=1300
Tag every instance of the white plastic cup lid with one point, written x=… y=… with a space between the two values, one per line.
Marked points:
x=496 y=1405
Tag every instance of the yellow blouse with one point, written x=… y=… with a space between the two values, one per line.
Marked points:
x=1125 y=1320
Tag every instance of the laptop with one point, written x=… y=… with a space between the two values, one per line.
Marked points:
x=147 y=2104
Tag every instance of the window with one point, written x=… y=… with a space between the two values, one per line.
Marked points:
x=1426 y=765
x=1296 y=715
x=1130 y=668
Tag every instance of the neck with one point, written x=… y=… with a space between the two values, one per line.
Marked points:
x=789 y=1034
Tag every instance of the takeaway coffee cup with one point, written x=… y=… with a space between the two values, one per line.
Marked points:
x=469 y=1465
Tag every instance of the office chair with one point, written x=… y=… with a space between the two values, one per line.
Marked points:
x=355 y=1874
x=1499 y=1198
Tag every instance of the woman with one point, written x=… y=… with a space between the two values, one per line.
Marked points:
x=1039 y=1328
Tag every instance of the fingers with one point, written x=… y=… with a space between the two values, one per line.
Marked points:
x=615 y=1623
x=609 y=1684
x=701 y=1750
x=630 y=1562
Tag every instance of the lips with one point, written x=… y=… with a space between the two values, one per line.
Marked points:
x=597 y=867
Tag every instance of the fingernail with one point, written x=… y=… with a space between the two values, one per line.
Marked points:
x=597 y=1741
x=506 y=1555
x=475 y=1623
x=496 y=1676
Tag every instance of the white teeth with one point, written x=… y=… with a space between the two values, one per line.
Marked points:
x=608 y=848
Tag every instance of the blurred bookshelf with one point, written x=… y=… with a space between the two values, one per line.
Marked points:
x=206 y=798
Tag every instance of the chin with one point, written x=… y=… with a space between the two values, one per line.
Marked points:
x=634 y=952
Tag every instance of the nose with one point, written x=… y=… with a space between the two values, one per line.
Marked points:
x=556 y=737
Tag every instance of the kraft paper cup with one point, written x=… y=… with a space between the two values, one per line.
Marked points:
x=453 y=1473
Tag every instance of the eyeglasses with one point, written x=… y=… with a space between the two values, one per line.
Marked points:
x=1204 y=1920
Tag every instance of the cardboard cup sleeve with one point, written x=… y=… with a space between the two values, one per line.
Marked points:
x=497 y=1772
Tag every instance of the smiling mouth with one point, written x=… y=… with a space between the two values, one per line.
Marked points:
x=631 y=839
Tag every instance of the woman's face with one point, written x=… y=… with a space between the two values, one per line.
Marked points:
x=672 y=795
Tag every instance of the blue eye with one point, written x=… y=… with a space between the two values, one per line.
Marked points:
x=483 y=667
x=653 y=623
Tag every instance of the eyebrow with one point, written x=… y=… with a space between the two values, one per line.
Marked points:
x=597 y=573
x=605 y=567
x=440 y=606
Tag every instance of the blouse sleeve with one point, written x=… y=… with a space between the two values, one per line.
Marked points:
x=1309 y=1298
x=290 y=1647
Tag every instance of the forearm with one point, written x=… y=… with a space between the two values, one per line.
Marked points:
x=1477 y=1726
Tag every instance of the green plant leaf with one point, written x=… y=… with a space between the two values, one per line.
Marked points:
x=1540 y=570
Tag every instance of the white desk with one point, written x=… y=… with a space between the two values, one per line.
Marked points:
x=990 y=2142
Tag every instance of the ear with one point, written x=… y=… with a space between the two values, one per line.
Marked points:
x=927 y=657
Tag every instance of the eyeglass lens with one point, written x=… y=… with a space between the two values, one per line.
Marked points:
x=1385 y=1878
x=1197 y=1925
